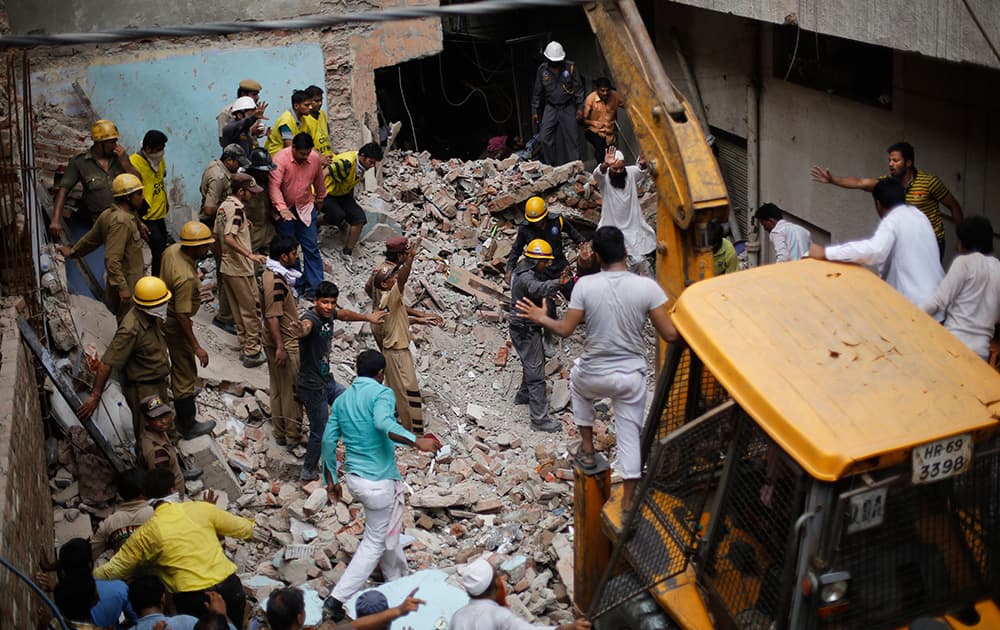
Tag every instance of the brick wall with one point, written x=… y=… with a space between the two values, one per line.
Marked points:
x=25 y=499
x=351 y=53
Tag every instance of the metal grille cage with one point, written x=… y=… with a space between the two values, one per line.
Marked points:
x=682 y=476
x=753 y=533
x=685 y=391
x=929 y=550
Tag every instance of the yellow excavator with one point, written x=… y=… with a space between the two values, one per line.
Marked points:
x=819 y=453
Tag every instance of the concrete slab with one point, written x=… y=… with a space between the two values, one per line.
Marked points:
x=432 y=586
x=209 y=457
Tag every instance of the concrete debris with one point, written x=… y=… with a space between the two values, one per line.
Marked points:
x=499 y=489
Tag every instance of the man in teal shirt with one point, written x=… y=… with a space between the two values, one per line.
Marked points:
x=364 y=416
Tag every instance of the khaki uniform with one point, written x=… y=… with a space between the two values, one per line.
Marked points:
x=279 y=302
x=139 y=351
x=393 y=337
x=118 y=230
x=84 y=168
x=115 y=530
x=261 y=214
x=239 y=274
x=158 y=452
x=180 y=273
x=215 y=183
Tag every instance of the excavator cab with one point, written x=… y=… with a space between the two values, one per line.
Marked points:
x=820 y=454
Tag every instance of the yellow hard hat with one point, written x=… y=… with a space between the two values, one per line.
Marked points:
x=104 y=130
x=125 y=184
x=150 y=291
x=535 y=209
x=539 y=248
x=194 y=233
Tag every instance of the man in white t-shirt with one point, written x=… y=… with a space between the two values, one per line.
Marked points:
x=903 y=248
x=614 y=305
x=969 y=295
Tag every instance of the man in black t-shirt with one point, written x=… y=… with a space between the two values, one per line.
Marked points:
x=315 y=385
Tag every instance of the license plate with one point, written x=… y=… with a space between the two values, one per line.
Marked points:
x=941 y=459
x=866 y=510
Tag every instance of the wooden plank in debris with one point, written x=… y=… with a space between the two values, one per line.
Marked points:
x=484 y=290
x=432 y=294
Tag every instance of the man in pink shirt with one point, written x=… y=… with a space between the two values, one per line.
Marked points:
x=297 y=189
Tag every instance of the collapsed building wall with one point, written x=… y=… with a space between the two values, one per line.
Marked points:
x=179 y=85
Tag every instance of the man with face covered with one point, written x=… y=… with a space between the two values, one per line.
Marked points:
x=117 y=229
x=557 y=106
x=138 y=350
x=620 y=207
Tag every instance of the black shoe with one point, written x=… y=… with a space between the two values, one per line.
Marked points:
x=192 y=473
x=550 y=426
x=520 y=400
x=333 y=610
x=196 y=429
x=229 y=328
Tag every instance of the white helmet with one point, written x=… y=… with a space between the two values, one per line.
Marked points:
x=554 y=52
x=243 y=103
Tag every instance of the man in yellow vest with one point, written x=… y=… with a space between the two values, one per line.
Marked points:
x=152 y=167
x=316 y=125
x=343 y=174
x=289 y=124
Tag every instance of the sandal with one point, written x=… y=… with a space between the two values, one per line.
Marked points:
x=586 y=461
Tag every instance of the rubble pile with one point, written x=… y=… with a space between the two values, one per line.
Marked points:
x=498 y=487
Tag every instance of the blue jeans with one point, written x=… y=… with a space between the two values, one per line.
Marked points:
x=317 y=403
x=308 y=239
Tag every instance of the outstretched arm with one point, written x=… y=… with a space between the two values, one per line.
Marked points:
x=824 y=176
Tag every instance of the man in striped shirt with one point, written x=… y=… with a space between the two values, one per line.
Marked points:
x=923 y=190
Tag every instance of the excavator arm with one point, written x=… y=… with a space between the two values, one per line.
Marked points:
x=688 y=181
x=690 y=193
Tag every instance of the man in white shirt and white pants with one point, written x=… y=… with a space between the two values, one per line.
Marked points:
x=903 y=248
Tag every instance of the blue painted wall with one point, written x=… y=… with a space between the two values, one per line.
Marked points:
x=182 y=94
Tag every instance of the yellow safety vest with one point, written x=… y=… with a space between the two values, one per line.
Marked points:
x=153 y=187
x=275 y=142
x=342 y=174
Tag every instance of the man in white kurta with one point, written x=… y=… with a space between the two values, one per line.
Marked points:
x=620 y=207
x=903 y=248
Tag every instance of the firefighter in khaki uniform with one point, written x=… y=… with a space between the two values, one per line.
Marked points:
x=157 y=451
x=281 y=338
x=117 y=229
x=139 y=350
x=179 y=270
x=232 y=231
x=385 y=288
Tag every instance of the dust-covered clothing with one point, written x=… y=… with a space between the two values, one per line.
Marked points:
x=278 y=301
